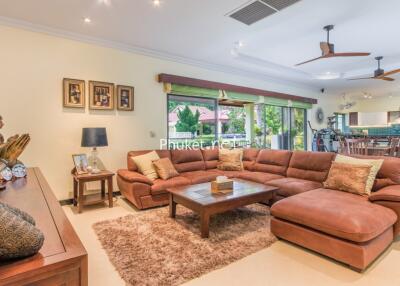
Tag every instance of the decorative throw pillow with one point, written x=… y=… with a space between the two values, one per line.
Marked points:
x=348 y=177
x=230 y=160
x=165 y=169
x=375 y=167
x=145 y=164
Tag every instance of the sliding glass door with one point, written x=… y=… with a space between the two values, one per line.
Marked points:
x=279 y=127
x=298 y=133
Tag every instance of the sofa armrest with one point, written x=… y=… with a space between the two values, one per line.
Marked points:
x=390 y=193
x=134 y=177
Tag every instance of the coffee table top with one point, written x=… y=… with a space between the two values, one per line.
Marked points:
x=201 y=193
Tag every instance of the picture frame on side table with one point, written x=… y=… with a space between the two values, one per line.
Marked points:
x=125 y=97
x=81 y=163
x=73 y=93
x=101 y=95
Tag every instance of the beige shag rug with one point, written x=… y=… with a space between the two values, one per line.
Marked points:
x=150 y=248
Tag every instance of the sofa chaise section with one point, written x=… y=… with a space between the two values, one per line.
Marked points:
x=347 y=227
x=344 y=226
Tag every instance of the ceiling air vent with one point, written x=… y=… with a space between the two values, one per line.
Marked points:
x=260 y=9
x=279 y=4
x=252 y=13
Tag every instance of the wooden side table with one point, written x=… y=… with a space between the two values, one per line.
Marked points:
x=80 y=199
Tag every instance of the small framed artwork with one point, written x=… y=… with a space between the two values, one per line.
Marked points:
x=101 y=95
x=73 y=93
x=125 y=97
x=81 y=163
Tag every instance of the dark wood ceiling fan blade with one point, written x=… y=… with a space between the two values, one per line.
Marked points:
x=360 y=78
x=385 y=78
x=350 y=54
x=309 y=61
x=390 y=73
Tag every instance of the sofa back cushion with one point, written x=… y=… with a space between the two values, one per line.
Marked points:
x=210 y=157
x=131 y=164
x=312 y=166
x=249 y=158
x=273 y=161
x=187 y=160
x=389 y=173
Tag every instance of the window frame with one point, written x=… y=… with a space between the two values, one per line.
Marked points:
x=215 y=100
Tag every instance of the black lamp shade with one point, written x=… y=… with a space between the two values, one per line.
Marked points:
x=94 y=137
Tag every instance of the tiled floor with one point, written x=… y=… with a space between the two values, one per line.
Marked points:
x=280 y=264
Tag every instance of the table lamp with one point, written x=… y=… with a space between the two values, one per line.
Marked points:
x=94 y=137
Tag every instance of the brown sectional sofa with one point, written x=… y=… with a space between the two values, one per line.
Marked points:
x=347 y=227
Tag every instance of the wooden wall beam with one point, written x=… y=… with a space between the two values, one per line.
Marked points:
x=168 y=78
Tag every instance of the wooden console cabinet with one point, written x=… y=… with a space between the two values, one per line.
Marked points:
x=62 y=259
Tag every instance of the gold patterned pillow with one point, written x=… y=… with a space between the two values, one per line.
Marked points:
x=230 y=160
x=348 y=177
x=165 y=169
x=375 y=167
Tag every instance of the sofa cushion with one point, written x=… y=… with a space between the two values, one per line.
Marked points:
x=293 y=186
x=198 y=177
x=232 y=174
x=389 y=173
x=187 y=160
x=210 y=157
x=131 y=164
x=249 y=158
x=160 y=186
x=272 y=161
x=337 y=213
x=259 y=177
x=313 y=166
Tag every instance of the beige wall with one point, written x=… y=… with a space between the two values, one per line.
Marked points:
x=31 y=72
x=377 y=104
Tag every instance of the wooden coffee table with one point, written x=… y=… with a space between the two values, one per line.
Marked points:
x=200 y=199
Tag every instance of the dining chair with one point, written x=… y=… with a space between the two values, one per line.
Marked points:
x=357 y=146
x=394 y=145
x=342 y=146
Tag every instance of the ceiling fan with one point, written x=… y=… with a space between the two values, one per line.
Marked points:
x=328 y=49
x=346 y=104
x=380 y=73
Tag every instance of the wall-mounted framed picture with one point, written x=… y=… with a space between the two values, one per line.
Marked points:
x=73 y=93
x=125 y=97
x=101 y=95
x=81 y=163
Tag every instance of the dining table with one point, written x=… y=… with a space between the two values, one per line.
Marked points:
x=379 y=150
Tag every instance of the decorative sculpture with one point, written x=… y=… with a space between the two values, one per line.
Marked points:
x=13 y=147
x=20 y=237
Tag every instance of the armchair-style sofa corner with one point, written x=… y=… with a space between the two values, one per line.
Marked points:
x=350 y=228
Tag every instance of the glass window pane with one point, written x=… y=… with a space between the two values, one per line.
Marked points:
x=274 y=127
x=298 y=129
x=231 y=125
x=192 y=121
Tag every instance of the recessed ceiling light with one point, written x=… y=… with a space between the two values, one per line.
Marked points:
x=156 y=3
x=87 y=20
x=239 y=44
x=104 y=2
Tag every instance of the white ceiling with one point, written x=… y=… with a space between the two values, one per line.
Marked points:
x=200 y=32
